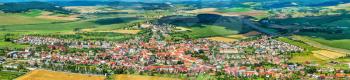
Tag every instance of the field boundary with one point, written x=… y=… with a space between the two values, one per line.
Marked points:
x=321 y=46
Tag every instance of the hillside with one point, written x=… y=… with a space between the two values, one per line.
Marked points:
x=26 y=6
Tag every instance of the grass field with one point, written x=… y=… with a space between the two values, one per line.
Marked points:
x=4 y=75
x=342 y=43
x=32 y=13
x=51 y=75
x=16 y=19
x=140 y=77
x=315 y=43
x=210 y=31
x=12 y=45
x=342 y=23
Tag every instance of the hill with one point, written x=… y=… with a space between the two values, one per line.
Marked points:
x=26 y=6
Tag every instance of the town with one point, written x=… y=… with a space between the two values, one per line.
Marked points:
x=260 y=56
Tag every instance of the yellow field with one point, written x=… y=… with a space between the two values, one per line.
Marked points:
x=140 y=77
x=237 y=36
x=340 y=6
x=47 y=15
x=222 y=39
x=328 y=54
x=117 y=31
x=16 y=19
x=52 y=75
x=321 y=57
x=126 y=31
x=85 y=9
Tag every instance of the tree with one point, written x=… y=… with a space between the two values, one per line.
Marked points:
x=310 y=69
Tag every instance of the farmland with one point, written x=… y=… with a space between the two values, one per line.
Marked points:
x=222 y=39
x=325 y=55
x=236 y=10
x=45 y=74
x=140 y=77
x=17 y=19
x=175 y=40
x=324 y=45
x=4 y=75
x=209 y=31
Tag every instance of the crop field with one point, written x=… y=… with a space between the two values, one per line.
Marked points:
x=328 y=54
x=123 y=31
x=180 y=29
x=340 y=6
x=140 y=77
x=16 y=19
x=210 y=31
x=4 y=75
x=222 y=39
x=237 y=36
x=343 y=43
x=236 y=10
x=51 y=75
x=50 y=15
x=318 y=44
x=232 y=12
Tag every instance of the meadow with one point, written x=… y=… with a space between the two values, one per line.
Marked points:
x=210 y=31
x=5 y=75
x=341 y=45
x=18 y=19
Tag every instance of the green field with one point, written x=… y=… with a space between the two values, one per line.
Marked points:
x=297 y=43
x=342 y=43
x=210 y=31
x=236 y=10
x=307 y=56
x=17 y=19
x=341 y=23
x=32 y=13
x=9 y=75
x=335 y=41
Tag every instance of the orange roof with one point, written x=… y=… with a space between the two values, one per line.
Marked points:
x=339 y=75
